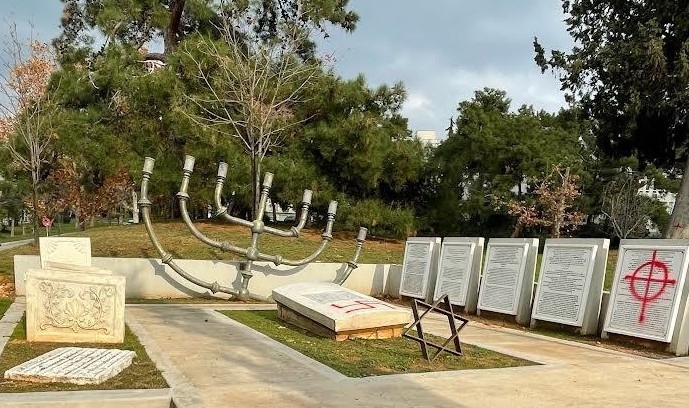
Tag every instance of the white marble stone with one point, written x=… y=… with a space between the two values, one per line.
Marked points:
x=419 y=267
x=508 y=277
x=66 y=250
x=338 y=308
x=71 y=306
x=74 y=365
x=649 y=291
x=75 y=268
x=570 y=285
x=459 y=270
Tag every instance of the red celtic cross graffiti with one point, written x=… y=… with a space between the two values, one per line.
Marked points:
x=647 y=296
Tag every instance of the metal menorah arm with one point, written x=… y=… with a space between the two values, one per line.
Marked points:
x=166 y=257
x=183 y=196
x=222 y=210
x=267 y=182
x=351 y=265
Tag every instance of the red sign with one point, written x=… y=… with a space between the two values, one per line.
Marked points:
x=642 y=292
x=47 y=222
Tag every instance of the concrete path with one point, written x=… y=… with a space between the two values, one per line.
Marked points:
x=212 y=361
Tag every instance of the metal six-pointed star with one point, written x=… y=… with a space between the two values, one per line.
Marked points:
x=452 y=318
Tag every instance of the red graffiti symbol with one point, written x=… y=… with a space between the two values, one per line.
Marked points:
x=647 y=297
x=360 y=305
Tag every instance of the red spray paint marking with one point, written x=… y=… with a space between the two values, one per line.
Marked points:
x=648 y=297
x=361 y=305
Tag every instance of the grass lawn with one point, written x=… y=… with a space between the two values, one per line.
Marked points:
x=4 y=304
x=362 y=358
x=131 y=241
x=141 y=374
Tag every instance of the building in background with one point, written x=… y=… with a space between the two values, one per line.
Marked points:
x=666 y=197
x=428 y=137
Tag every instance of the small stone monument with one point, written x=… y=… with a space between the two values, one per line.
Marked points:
x=74 y=365
x=333 y=311
x=508 y=277
x=65 y=250
x=68 y=300
x=649 y=293
x=419 y=266
x=74 y=306
x=570 y=285
x=458 y=271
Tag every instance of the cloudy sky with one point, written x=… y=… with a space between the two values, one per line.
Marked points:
x=442 y=50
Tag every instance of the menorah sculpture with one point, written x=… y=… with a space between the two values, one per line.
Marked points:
x=252 y=253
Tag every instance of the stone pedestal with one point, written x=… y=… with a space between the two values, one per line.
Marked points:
x=339 y=313
x=73 y=306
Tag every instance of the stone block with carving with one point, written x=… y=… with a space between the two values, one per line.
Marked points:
x=71 y=306
x=66 y=250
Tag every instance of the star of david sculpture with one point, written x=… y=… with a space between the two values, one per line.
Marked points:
x=257 y=227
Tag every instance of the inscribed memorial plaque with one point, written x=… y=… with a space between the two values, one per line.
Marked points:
x=416 y=268
x=502 y=277
x=338 y=308
x=647 y=287
x=564 y=283
x=74 y=365
x=454 y=270
x=65 y=250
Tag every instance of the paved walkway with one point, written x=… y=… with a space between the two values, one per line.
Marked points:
x=212 y=361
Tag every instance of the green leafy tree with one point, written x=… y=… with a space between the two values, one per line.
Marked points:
x=629 y=73
x=491 y=158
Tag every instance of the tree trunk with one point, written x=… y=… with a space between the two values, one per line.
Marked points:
x=12 y=228
x=256 y=190
x=172 y=30
x=34 y=201
x=678 y=227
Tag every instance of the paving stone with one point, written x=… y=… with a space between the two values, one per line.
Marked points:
x=75 y=365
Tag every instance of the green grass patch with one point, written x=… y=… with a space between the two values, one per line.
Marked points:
x=362 y=358
x=131 y=241
x=141 y=374
x=4 y=305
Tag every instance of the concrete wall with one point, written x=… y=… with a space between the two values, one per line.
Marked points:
x=150 y=278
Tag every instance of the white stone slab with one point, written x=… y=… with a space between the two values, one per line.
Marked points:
x=70 y=306
x=458 y=271
x=338 y=308
x=76 y=268
x=66 y=250
x=508 y=277
x=74 y=365
x=647 y=289
x=570 y=285
x=420 y=255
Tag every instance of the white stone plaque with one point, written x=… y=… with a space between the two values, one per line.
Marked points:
x=418 y=261
x=502 y=277
x=74 y=365
x=458 y=270
x=646 y=292
x=338 y=308
x=65 y=250
x=564 y=282
x=70 y=306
